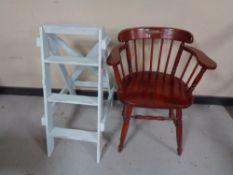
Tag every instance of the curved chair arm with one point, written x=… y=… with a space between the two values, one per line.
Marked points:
x=115 y=57
x=202 y=58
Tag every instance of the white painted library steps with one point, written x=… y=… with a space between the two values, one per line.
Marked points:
x=52 y=46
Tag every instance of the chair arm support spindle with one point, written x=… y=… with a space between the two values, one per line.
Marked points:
x=117 y=75
x=197 y=79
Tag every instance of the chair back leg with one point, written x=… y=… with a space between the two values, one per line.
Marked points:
x=127 y=110
x=179 y=130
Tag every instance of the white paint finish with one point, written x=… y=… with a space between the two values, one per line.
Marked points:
x=82 y=61
x=74 y=134
x=62 y=44
x=95 y=58
x=71 y=30
x=66 y=78
x=100 y=97
x=79 y=69
x=107 y=108
x=89 y=84
x=46 y=81
x=106 y=42
x=55 y=49
x=73 y=99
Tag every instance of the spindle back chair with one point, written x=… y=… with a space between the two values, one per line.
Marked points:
x=163 y=78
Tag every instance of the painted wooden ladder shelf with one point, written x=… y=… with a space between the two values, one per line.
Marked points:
x=51 y=45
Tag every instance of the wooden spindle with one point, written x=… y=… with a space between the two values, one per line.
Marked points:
x=197 y=79
x=128 y=58
x=177 y=60
x=122 y=69
x=117 y=75
x=160 y=52
x=135 y=55
x=190 y=77
x=143 y=54
x=168 y=57
x=186 y=66
x=151 y=53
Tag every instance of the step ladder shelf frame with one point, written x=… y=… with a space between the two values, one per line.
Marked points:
x=50 y=44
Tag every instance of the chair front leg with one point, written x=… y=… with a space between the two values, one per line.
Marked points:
x=179 y=130
x=127 y=110
x=123 y=111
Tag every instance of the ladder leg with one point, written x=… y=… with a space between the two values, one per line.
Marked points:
x=100 y=115
x=99 y=130
x=99 y=120
x=99 y=150
x=108 y=104
x=106 y=108
x=48 y=108
x=100 y=98
x=49 y=127
x=179 y=131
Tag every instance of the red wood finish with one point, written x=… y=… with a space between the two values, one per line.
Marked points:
x=126 y=118
x=160 y=52
x=168 y=57
x=179 y=131
x=155 y=33
x=191 y=75
x=151 y=53
x=150 y=88
x=158 y=90
x=152 y=117
x=177 y=60
x=201 y=57
x=186 y=66
x=136 y=55
x=143 y=55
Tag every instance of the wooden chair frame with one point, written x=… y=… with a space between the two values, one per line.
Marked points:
x=156 y=33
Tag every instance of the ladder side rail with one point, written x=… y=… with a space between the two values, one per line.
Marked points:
x=47 y=90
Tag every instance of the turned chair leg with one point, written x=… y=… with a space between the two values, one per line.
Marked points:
x=123 y=111
x=179 y=131
x=126 y=118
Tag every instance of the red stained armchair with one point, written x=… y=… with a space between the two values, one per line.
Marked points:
x=154 y=68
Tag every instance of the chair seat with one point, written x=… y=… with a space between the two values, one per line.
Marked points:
x=154 y=90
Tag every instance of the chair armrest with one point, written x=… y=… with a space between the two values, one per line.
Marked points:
x=202 y=58
x=115 y=57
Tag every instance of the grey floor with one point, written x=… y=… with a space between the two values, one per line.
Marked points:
x=150 y=147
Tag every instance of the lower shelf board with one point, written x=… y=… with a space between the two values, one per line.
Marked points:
x=74 y=134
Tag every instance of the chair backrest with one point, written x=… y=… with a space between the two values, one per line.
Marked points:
x=159 y=49
x=143 y=42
